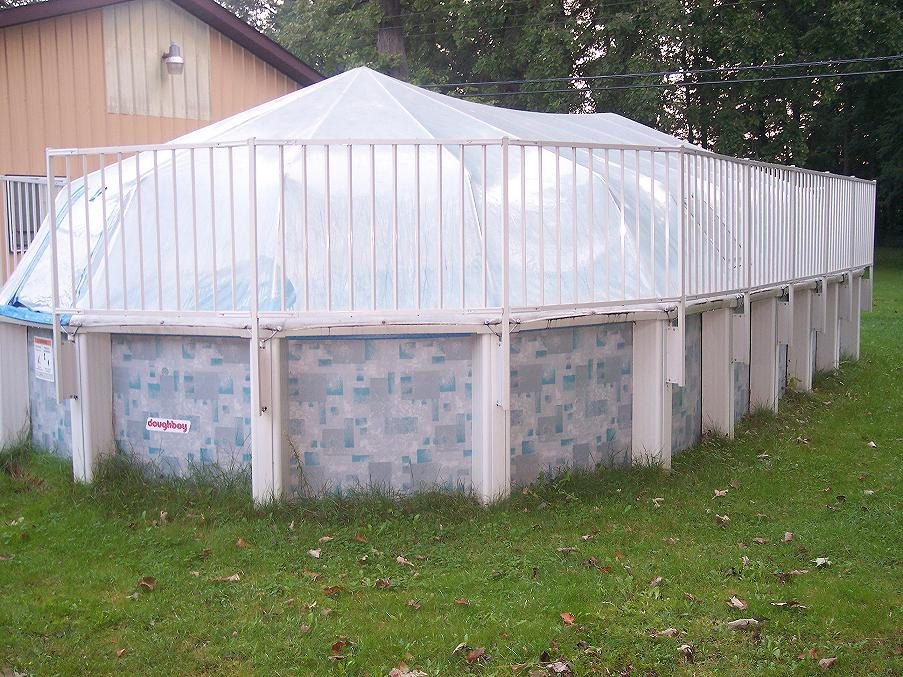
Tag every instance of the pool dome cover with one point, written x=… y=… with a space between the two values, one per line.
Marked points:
x=583 y=223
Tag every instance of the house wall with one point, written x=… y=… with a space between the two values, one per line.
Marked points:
x=56 y=89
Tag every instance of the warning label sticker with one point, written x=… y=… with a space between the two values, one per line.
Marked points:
x=43 y=358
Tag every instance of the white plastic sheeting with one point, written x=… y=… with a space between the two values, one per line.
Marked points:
x=363 y=225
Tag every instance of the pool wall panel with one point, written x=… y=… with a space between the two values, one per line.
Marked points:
x=391 y=413
x=51 y=423
x=202 y=380
x=686 y=400
x=571 y=392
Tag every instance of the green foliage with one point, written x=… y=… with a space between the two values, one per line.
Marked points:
x=71 y=557
x=850 y=126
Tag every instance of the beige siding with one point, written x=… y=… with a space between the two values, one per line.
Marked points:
x=54 y=87
x=136 y=34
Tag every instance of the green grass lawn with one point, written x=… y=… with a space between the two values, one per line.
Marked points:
x=498 y=579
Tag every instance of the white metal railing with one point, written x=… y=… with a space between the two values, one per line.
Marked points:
x=405 y=229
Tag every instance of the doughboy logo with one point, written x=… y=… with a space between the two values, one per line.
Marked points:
x=168 y=425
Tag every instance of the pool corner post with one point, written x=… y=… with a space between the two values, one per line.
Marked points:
x=848 y=309
x=651 y=434
x=491 y=459
x=800 y=350
x=269 y=442
x=763 y=354
x=91 y=409
x=718 y=371
x=14 y=377
x=827 y=339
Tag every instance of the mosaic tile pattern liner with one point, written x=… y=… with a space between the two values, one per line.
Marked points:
x=390 y=413
x=686 y=401
x=202 y=380
x=51 y=423
x=571 y=393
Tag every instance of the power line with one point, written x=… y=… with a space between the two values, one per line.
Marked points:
x=666 y=85
x=721 y=69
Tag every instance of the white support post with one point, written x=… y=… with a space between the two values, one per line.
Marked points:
x=717 y=372
x=827 y=341
x=849 y=326
x=651 y=394
x=491 y=460
x=865 y=300
x=13 y=382
x=763 y=355
x=269 y=446
x=91 y=411
x=800 y=362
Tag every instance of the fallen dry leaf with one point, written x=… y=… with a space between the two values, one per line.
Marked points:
x=313 y=575
x=669 y=632
x=242 y=543
x=314 y=552
x=567 y=550
x=338 y=647
x=788 y=536
x=873 y=446
x=687 y=651
x=476 y=654
x=743 y=624
x=587 y=537
x=657 y=502
x=305 y=629
x=559 y=667
x=330 y=590
x=672 y=540
x=414 y=604
x=462 y=601
x=760 y=540
x=719 y=493
x=404 y=671
x=745 y=561
x=401 y=560
x=789 y=604
x=6 y=558
x=655 y=582
x=722 y=520
x=619 y=554
x=737 y=603
x=148 y=583
x=822 y=562
x=291 y=525
x=324 y=539
x=567 y=618
x=384 y=583
x=360 y=538
x=868 y=492
x=826 y=663
x=690 y=597
x=234 y=578
x=120 y=653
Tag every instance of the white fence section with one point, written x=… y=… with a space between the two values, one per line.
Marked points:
x=460 y=231
x=388 y=227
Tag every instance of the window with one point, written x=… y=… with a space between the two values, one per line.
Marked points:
x=24 y=204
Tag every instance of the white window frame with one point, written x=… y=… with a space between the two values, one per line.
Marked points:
x=23 y=207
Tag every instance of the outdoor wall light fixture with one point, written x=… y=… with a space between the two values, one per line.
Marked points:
x=175 y=64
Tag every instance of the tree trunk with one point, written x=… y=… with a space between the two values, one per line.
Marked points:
x=390 y=38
